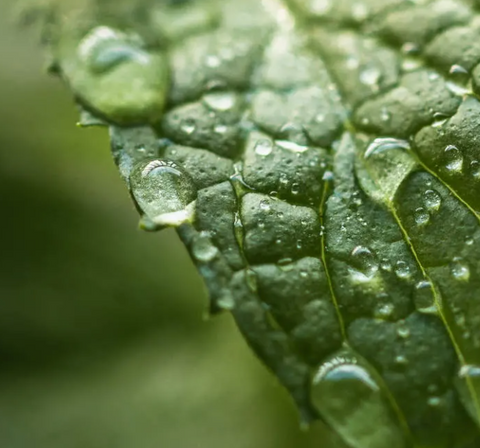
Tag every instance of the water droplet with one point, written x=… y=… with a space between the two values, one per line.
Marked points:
x=384 y=311
x=163 y=191
x=188 y=126
x=475 y=169
x=421 y=216
x=212 y=61
x=291 y=146
x=220 y=101
x=370 y=76
x=432 y=200
x=265 y=206
x=402 y=270
x=101 y=70
x=460 y=270
x=343 y=368
x=401 y=360
x=364 y=264
x=202 y=248
x=295 y=188
x=456 y=69
x=424 y=298
x=384 y=144
x=434 y=402
x=402 y=330
x=386 y=265
x=263 y=147
x=453 y=159
x=385 y=115
x=439 y=119
x=469 y=371
x=220 y=129
x=328 y=176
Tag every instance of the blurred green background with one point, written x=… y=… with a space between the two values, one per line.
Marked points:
x=103 y=340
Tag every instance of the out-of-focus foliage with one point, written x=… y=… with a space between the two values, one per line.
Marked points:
x=102 y=342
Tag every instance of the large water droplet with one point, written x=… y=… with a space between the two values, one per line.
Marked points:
x=364 y=264
x=432 y=200
x=453 y=159
x=384 y=144
x=163 y=191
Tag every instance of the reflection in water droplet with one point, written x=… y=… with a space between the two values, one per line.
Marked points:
x=384 y=144
x=421 y=216
x=402 y=270
x=163 y=191
x=460 y=270
x=453 y=159
x=202 y=248
x=364 y=264
x=456 y=69
x=263 y=147
x=432 y=200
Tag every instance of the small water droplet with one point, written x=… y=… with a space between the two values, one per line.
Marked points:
x=263 y=147
x=188 y=126
x=295 y=188
x=432 y=200
x=370 y=76
x=421 y=216
x=386 y=265
x=475 y=169
x=424 y=299
x=328 y=176
x=402 y=330
x=401 y=360
x=402 y=270
x=384 y=311
x=220 y=129
x=385 y=115
x=453 y=159
x=265 y=206
x=384 y=144
x=460 y=270
x=434 y=402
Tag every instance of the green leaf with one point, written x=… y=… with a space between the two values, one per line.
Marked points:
x=321 y=162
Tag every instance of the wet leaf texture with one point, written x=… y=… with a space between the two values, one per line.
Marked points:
x=321 y=162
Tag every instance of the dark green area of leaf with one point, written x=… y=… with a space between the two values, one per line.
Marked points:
x=322 y=166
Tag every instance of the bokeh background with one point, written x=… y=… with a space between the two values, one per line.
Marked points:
x=103 y=337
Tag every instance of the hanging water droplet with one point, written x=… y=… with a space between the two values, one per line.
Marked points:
x=384 y=144
x=432 y=200
x=202 y=248
x=421 y=216
x=364 y=264
x=453 y=159
x=460 y=270
x=402 y=270
x=263 y=147
x=163 y=191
